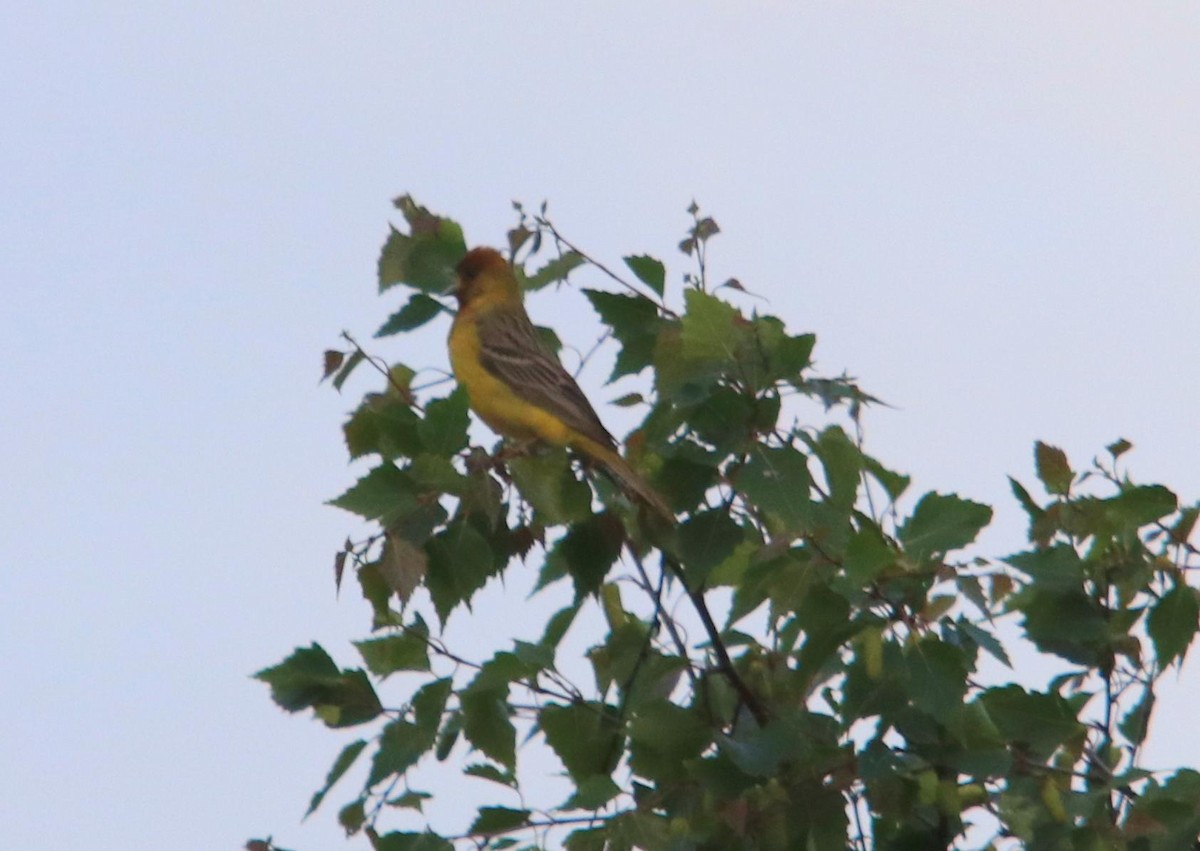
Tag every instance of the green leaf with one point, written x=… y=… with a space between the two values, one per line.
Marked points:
x=1119 y=448
x=706 y=540
x=487 y=726
x=399 y=380
x=383 y=494
x=588 y=839
x=586 y=553
x=444 y=429
x=649 y=271
x=938 y=673
x=436 y=474
x=429 y=704
x=1056 y=569
x=981 y=752
x=684 y=482
x=676 y=378
x=460 y=562
x=639 y=671
x=1172 y=623
x=824 y=616
x=1060 y=617
x=310 y=679
x=1069 y=624
x=876 y=687
x=723 y=418
x=843 y=463
x=548 y=338
x=942 y=523
x=1035 y=512
x=410 y=800
x=503 y=668
x=403 y=841
x=378 y=592
x=663 y=737
x=592 y=793
x=778 y=482
x=775 y=355
x=1041 y=722
x=548 y=483
x=448 y=736
x=401 y=566
x=341 y=765
x=1182 y=530
x=419 y=310
x=761 y=751
x=352 y=816
x=498 y=820
x=482 y=495
x=1136 y=722
x=555 y=271
x=403 y=652
x=1169 y=814
x=400 y=747
x=585 y=736
x=635 y=323
x=1136 y=506
x=1053 y=468
x=867 y=555
x=712 y=329
x=348 y=367
x=383 y=424
x=984 y=639
x=971 y=588
x=535 y=656
x=490 y=772
x=893 y=483
x=558 y=625
x=425 y=259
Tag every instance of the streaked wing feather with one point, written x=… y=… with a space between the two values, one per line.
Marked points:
x=512 y=351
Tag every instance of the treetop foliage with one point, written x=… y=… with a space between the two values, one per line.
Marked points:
x=799 y=663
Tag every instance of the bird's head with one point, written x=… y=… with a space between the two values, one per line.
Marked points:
x=484 y=274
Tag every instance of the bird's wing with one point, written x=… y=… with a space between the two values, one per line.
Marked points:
x=512 y=351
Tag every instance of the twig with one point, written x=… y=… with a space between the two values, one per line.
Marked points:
x=440 y=649
x=381 y=365
x=538 y=825
x=724 y=663
x=662 y=617
x=587 y=356
x=548 y=225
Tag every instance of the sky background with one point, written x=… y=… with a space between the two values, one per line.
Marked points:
x=987 y=213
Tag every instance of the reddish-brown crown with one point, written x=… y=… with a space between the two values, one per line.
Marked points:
x=479 y=260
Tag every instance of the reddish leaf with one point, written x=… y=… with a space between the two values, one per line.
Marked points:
x=333 y=361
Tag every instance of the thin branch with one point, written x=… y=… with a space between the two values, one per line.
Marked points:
x=440 y=649
x=724 y=663
x=662 y=617
x=548 y=225
x=587 y=356
x=381 y=365
x=538 y=825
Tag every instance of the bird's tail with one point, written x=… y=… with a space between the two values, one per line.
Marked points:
x=630 y=481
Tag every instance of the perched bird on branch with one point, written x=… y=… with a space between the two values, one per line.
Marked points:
x=517 y=385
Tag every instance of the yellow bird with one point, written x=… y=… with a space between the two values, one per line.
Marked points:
x=516 y=384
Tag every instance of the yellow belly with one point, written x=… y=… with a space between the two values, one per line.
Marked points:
x=504 y=411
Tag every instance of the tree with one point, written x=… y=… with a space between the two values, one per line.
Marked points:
x=839 y=699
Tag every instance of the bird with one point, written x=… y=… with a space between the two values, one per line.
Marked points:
x=517 y=385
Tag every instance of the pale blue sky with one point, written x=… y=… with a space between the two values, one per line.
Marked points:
x=988 y=213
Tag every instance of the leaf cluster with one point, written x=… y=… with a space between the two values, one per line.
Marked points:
x=841 y=698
